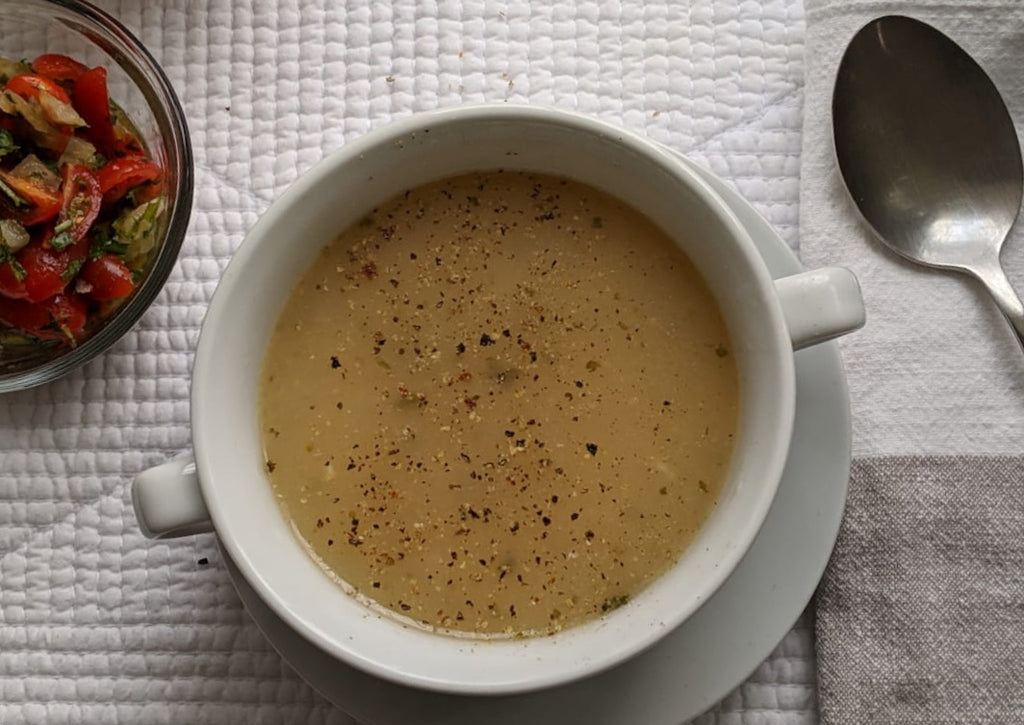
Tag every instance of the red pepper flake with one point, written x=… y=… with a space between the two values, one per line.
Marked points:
x=369 y=270
x=471 y=402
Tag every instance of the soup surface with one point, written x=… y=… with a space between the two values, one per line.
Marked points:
x=501 y=404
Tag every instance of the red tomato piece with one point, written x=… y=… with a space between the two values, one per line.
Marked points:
x=45 y=204
x=58 y=67
x=81 y=205
x=28 y=85
x=25 y=316
x=121 y=175
x=42 y=212
x=92 y=101
x=56 y=318
x=46 y=268
x=106 y=278
x=147 y=193
x=69 y=312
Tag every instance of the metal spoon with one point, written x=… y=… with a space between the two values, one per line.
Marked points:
x=928 y=152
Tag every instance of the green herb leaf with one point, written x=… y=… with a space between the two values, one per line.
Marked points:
x=18 y=201
x=7 y=256
x=19 y=271
x=103 y=243
x=614 y=602
x=60 y=241
x=96 y=161
x=74 y=266
x=7 y=144
x=66 y=331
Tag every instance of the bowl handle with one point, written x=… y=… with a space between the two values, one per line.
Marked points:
x=169 y=502
x=820 y=304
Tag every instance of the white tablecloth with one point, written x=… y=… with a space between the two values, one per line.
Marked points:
x=99 y=625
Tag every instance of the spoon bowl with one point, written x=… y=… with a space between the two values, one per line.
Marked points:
x=928 y=152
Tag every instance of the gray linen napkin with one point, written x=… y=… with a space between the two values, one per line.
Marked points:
x=920 y=616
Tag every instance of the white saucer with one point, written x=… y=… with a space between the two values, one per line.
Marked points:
x=712 y=652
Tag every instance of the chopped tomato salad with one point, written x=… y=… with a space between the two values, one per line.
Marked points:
x=79 y=200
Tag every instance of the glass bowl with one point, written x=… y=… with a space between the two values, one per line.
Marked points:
x=138 y=85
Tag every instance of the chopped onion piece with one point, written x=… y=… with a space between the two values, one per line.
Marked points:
x=77 y=151
x=58 y=111
x=8 y=104
x=39 y=173
x=10 y=68
x=138 y=229
x=14 y=104
x=12 y=234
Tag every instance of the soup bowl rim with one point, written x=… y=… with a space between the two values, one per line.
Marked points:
x=459 y=665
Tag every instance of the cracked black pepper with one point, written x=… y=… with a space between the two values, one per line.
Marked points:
x=501 y=404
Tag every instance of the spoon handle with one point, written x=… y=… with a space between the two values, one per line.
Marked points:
x=998 y=285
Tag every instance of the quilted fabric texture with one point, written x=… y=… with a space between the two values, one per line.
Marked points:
x=99 y=625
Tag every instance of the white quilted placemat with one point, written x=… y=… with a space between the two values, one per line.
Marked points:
x=97 y=624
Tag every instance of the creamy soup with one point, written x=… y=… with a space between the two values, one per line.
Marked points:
x=501 y=404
